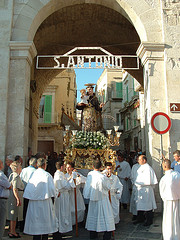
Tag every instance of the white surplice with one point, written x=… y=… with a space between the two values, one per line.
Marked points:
x=115 y=195
x=124 y=171
x=62 y=203
x=100 y=216
x=80 y=201
x=145 y=182
x=169 y=187
x=40 y=217
x=26 y=174
x=133 y=207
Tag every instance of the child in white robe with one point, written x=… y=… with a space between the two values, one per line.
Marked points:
x=115 y=192
x=80 y=201
x=62 y=202
x=100 y=216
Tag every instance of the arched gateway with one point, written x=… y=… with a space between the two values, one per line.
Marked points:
x=148 y=28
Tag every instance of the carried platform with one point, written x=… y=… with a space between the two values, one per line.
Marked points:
x=83 y=158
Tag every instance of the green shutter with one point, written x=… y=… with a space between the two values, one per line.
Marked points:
x=119 y=90
x=47 y=109
x=104 y=95
x=127 y=94
x=133 y=88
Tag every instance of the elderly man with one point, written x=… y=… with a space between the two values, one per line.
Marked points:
x=145 y=182
x=40 y=217
x=133 y=207
x=100 y=216
x=176 y=163
x=27 y=172
x=169 y=187
x=4 y=194
x=25 y=176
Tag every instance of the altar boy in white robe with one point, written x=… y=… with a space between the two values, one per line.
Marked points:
x=40 y=218
x=62 y=202
x=100 y=216
x=115 y=192
x=169 y=187
x=71 y=172
x=145 y=200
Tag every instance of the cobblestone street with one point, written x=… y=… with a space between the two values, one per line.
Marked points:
x=125 y=230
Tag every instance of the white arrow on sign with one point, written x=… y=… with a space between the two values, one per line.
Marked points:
x=174 y=107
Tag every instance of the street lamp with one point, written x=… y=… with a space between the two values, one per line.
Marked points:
x=114 y=139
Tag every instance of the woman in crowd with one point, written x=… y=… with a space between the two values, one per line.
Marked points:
x=15 y=201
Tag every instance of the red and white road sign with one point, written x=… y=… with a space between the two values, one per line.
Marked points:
x=161 y=123
x=175 y=107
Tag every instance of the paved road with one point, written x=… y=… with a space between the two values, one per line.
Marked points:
x=125 y=230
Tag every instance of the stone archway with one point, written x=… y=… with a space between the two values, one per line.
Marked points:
x=148 y=22
x=56 y=26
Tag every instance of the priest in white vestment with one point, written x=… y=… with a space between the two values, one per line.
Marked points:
x=169 y=187
x=145 y=200
x=40 y=218
x=62 y=202
x=100 y=216
x=115 y=191
x=123 y=172
x=79 y=179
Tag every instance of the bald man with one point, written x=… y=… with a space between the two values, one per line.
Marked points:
x=169 y=187
x=4 y=194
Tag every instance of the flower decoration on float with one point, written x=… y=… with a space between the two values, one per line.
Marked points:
x=92 y=140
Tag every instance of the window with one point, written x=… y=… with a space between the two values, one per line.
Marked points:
x=45 y=109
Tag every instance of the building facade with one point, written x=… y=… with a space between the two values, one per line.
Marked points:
x=58 y=98
x=109 y=91
x=131 y=138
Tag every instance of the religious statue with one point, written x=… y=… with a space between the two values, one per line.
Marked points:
x=91 y=111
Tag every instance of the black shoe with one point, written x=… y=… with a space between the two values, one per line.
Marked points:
x=147 y=224
x=137 y=221
x=134 y=217
x=124 y=205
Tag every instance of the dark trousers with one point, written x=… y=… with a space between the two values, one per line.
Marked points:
x=148 y=217
x=57 y=236
x=106 y=236
x=145 y=216
x=25 y=206
x=40 y=237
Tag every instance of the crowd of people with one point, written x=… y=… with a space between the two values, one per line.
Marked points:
x=49 y=196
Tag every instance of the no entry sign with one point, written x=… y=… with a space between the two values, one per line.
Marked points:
x=160 y=122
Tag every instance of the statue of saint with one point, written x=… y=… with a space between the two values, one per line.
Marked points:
x=91 y=111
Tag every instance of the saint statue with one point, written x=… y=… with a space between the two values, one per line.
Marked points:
x=91 y=109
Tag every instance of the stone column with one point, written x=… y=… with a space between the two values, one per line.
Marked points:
x=155 y=100
x=6 y=11
x=22 y=54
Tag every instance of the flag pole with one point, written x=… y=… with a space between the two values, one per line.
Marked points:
x=75 y=201
x=113 y=214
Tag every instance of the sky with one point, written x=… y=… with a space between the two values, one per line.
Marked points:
x=84 y=76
